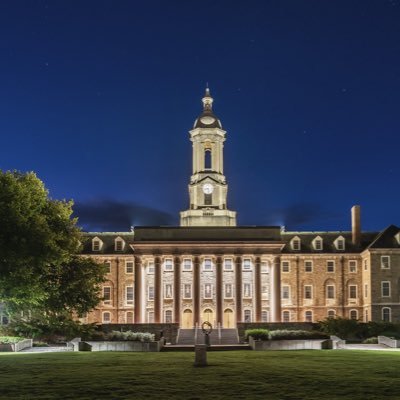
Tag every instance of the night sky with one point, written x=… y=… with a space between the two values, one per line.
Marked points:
x=97 y=97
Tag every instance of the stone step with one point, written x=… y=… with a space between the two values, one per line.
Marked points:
x=177 y=347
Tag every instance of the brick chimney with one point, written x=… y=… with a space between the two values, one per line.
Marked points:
x=356 y=225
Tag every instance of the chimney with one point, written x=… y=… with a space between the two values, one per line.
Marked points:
x=356 y=225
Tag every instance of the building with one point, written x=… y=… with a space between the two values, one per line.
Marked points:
x=210 y=269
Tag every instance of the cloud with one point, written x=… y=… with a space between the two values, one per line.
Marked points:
x=109 y=215
x=299 y=215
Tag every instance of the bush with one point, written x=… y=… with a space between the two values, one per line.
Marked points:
x=129 y=335
x=10 y=339
x=371 y=340
x=257 y=334
x=342 y=327
x=285 y=334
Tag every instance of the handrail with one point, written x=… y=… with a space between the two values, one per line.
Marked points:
x=195 y=332
x=219 y=332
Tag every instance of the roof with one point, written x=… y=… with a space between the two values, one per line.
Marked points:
x=386 y=239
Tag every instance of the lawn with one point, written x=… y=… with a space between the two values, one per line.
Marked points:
x=296 y=375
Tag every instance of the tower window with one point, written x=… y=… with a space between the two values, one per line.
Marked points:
x=207 y=199
x=207 y=159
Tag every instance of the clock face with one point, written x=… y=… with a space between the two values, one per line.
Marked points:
x=207 y=120
x=208 y=188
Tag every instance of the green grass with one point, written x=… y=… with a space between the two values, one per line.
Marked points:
x=270 y=375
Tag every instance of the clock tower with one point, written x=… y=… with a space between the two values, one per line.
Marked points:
x=208 y=188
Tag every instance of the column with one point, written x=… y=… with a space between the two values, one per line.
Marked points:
x=157 y=290
x=257 y=287
x=177 y=289
x=138 y=290
x=196 y=290
x=275 y=296
x=219 y=291
x=238 y=275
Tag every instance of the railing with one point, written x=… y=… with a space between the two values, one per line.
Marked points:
x=196 y=328
x=23 y=344
x=390 y=342
x=219 y=332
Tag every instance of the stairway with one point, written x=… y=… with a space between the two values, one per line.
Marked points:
x=188 y=337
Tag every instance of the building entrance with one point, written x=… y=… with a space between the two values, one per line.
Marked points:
x=228 y=319
x=187 y=319
x=208 y=315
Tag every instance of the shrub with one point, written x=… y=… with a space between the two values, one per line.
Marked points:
x=342 y=327
x=371 y=340
x=285 y=334
x=257 y=334
x=10 y=339
x=129 y=335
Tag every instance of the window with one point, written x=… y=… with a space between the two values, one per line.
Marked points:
x=352 y=291
x=129 y=267
x=228 y=291
x=308 y=316
x=187 y=264
x=168 y=316
x=264 y=291
x=366 y=316
x=150 y=317
x=340 y=244
x=207 y=199
x=119 y=245
x=285 y=266
x=308 y=292
x=247 y=315
x=108 y=266
x=207 y=159
x=129 y=294
x=264 y=316
x=168 y=291
x=308 y=266
x=385 y=262
x=386 y=314
x=96 y=245
x=228 y=264
x=353 y=314
x=168 y=264
x=385 y=285
x=330 y=291
x=247 y=290
x=129 y=317
x=366 y=290
x=331 y=313
x=286 y=316
x=208 y=291
x=330 y=266
x=352 y=266
x=317 y=243
x=4 y=320
x=264 y=267
x=207 y=264
x=365 y=265
x=187 y=291
x=296 y=244
x=247 y=264
x=150 y=293
x=150 y=267
x=107 y=295
x=106 y=317
x=285 y=292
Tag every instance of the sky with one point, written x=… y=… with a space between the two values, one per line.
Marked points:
x=97 y=98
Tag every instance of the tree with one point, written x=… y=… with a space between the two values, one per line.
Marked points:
x=40 y=266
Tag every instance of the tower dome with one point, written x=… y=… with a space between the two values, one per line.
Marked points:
x=207 y=119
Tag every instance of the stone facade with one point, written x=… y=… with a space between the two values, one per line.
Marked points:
x=209 y=269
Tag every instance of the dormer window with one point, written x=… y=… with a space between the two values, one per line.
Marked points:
x=295 y=243
x=317 y=243
x=97 y=244
x=119 y=244
x=340 y=243
x=398 y=238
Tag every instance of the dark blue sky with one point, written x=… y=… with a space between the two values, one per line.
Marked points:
x=97 y=98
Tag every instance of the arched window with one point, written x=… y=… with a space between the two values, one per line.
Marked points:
x=129 y=317
x=150 y=317
x=308 y=316
x=264 y=316
x=286 y=316
x=207 y=159
x=331 y=314
x=168 y=316
x=106 y=317
x=353 y=314
x=247 y=315
x=386 y=314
